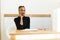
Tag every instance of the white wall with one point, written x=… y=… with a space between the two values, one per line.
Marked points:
x=32 y=6
x=58 y=20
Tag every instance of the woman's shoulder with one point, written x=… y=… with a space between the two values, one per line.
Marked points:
x=27 y=17
x=16 y=18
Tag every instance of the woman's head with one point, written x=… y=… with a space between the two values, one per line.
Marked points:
x=21 y=10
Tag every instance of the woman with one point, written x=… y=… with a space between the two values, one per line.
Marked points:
x=22 y=22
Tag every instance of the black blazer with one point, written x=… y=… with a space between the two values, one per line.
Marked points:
x=26 y=23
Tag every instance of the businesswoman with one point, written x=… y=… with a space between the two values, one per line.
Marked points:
x=22 y=22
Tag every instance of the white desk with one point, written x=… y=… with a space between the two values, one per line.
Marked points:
x=24 y=32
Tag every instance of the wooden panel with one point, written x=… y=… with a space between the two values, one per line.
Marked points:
x=31 y=15
x=42 y=39
x=21 y=32
x=48 y=39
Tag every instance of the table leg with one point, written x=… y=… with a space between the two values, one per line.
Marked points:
x=13 y=37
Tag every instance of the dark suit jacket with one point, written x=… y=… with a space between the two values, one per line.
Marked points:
x=26 y=23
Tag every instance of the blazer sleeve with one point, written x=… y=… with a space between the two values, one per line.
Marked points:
x=28 y=23
x=16 y=22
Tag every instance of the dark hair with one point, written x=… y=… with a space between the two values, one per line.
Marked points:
x=20 y=7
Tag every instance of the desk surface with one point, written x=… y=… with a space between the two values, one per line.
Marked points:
x=24 y=32
x=28 y=32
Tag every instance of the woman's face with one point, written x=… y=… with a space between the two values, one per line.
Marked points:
x=22 y=11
